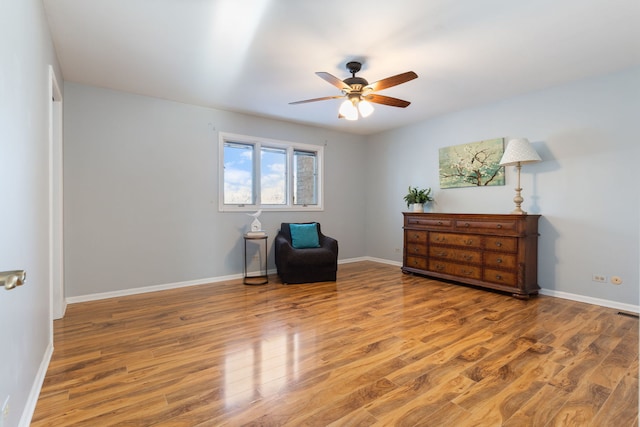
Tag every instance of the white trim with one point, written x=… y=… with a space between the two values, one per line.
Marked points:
x=57 y=304
x=156 y=288
x=125 y=292
x=36 y=387
x=591 y=300
x=384 y=261
x=350 y=260
x=153 y=288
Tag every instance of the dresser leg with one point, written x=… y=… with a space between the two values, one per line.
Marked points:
x=524 y=297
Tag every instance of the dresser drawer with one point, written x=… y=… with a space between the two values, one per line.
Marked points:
x=500 y=260
x=468 y=240
x=501 y=277
x=415 y=236
x=461 y=270
x=419 y=249
x=503 y=244
x=416 y=262
x=486 y=225
x=431 y=223
x=455 y=254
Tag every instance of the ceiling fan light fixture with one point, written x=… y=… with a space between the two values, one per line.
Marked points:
x=360 y=94
x=365 y=108
x=348 y=110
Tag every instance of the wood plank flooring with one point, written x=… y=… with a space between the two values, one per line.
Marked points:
x=375 y=348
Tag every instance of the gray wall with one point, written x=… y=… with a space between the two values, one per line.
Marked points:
x=141 y=191
x=141 y=186
x=586 y=188
x=26 y=53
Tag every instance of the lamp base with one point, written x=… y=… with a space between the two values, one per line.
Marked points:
x=518 y=201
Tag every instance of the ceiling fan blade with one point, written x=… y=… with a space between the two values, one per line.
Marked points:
x=324 y=98
x=334 y=81
x=387 y=100
x=392 y=81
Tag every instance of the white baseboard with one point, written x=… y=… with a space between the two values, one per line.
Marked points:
x=385 y=261
x=350 y=260
x=154 y=288
x=164 y=287
x=32 y=400
x=590 y=300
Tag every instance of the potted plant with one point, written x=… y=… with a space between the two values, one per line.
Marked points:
x=418 y=197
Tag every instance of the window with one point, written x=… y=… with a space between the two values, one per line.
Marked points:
x=266 y=174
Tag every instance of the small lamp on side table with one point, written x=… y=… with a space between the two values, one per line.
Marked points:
x=519 y=151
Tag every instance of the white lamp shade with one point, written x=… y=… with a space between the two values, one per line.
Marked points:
x=365 y=108
x=519 y=150
x=348 y=110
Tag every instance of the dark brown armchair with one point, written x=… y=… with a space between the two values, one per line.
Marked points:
x=306 y=264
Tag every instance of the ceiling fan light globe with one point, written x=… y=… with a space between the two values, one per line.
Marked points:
x=365 y=108
x=348 y=110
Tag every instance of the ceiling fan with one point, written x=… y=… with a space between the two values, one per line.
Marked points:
x=359 y=92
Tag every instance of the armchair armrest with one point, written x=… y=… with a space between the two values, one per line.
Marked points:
x=283 y=248
x=329 y=243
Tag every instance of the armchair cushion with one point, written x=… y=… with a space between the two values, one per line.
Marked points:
x=304 y=236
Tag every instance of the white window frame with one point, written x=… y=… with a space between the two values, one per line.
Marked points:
x=290 y=147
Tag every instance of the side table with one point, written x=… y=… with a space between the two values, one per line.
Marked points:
x=255 y=242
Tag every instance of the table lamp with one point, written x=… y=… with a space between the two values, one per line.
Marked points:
x=519 y=151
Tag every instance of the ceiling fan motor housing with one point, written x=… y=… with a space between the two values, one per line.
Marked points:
x=356 y=83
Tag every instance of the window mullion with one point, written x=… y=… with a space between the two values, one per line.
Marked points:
x=290 y=177
x=257 y=174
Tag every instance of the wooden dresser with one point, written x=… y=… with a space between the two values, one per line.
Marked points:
x=493 y=251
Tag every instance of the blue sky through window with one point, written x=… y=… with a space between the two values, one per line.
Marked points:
x=238 y=174
x=238 y=166
x=273 y=180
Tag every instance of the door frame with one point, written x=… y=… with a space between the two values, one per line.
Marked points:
x=56 y=237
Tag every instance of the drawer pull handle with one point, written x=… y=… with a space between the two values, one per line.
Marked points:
x=468 y=257
x=498 y=244
x=469 y=242
x=439 y=222
x=466 y=224
x=439 y=267
x=499 y=226
x=498 y=277
x=499 y=260
x=441 y=253
x=417 y=236
x=416 y=250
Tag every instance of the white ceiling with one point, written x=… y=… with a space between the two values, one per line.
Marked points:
x=256 y=56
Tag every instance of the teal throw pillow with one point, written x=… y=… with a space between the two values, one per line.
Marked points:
x=304 y=236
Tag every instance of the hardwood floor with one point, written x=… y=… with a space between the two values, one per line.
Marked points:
x=377 y=347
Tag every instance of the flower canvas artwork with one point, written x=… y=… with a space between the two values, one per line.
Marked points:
x=474 y=164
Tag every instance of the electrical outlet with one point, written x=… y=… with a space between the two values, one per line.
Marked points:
x=599 y=278
x=616 y=280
